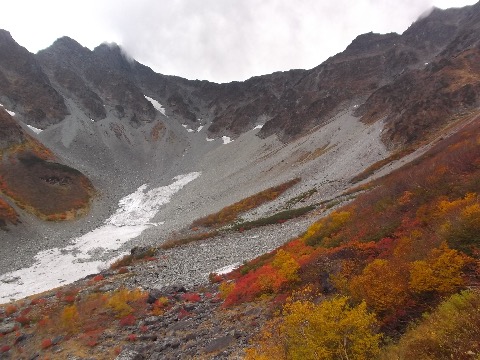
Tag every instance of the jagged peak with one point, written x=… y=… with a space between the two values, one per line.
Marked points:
x=110 y=49
x=65 y=47
x=66 y=41
x=5 y=35
x=370 y=41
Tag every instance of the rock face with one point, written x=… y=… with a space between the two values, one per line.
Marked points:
x=289 y=103
x=25 y=88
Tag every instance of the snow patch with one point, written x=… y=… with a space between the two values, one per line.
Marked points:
x=227 y=269
x=200 y=128
x=159 y=107
x=258 y=127
x=226 y=140
x=190 y=130
x=57 y=266
x=208 y=139
x=11 y=113
x=34 y=129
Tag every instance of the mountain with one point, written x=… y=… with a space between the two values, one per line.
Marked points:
x=353 y=185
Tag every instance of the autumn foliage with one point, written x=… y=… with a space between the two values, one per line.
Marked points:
x=7 y=214
x=397 y=251
x=332 y=329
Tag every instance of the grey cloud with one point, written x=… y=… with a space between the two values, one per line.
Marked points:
x=224 y=40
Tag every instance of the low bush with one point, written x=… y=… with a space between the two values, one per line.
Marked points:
x=274 y=219
x=450 y=332
x=169 y=244
x=230 y=213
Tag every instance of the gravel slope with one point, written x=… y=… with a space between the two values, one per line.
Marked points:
x=120 y=161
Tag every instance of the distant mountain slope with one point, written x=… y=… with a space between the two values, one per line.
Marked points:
x=289 y=103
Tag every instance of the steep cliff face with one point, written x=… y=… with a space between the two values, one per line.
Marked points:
x=25 y=88
x=289 y=103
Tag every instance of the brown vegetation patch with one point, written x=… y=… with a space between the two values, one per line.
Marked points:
x=312 y=155
x=231 y=212
x=179 y=241
x=157 y=131
x=7 y=214
x=50 y=190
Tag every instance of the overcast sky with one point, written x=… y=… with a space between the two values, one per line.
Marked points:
x=216 y=40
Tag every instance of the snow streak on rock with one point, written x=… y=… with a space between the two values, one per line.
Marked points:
x=56 y=266
x=226 y=139
x=8 y=111
x=156 y=104
x=34 y=129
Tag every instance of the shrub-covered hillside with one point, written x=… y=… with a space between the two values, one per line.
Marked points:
x=358 y=282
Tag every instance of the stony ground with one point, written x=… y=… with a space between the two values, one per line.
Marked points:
x=325 y=160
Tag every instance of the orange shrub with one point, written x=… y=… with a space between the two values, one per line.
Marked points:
x=46 y=343
x=11 y=309
x=440 y=272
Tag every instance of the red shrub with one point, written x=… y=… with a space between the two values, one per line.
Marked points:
x=131 y=337
x=191 y=297
x=38 y=301
x=90 y=338
x=183 y=314
x=128 y=320
x=4 y=349
x=98 y=278
x=22 y=320
x=46 y=343
x=69 y=298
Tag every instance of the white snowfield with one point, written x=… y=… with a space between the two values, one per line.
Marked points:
x=159 y=107
x=227 y=269
x=58 y=266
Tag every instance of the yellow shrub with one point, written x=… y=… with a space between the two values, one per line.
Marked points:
x=329 y=330
x=225 y=289
x=440 y=272
x=70 y=318
x=382 y=285
x=286 y=265
x=121 y=299
x=323 y=231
